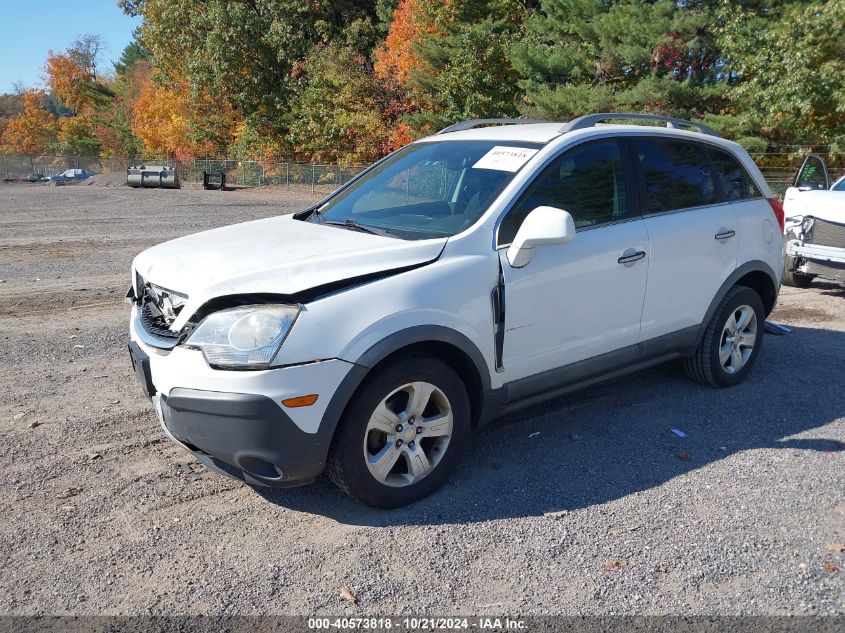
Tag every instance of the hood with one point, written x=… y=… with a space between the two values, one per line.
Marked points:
x=277 y=255
x=824 y=204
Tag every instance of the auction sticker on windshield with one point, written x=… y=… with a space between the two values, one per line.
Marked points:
x=505 y=158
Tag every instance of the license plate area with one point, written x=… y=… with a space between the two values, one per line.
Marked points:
x=141 y=366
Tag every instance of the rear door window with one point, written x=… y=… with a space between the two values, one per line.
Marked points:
x=677 y=175
x=734 y=181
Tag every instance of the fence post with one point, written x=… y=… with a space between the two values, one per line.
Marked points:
x=287 y=174
x=313 y=175
x=76 y=161
x=6 y=165
x=261 y=175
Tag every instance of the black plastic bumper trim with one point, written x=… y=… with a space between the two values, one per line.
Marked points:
x=232 y=432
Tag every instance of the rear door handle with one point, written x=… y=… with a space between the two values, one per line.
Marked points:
x=724 y=234
x=631 y=258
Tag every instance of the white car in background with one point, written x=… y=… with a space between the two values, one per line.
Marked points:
x=814 y=226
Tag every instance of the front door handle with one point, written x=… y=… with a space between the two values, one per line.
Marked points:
x=724 y=234
x=630 y=258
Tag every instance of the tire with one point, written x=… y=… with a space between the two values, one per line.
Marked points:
x=795 y=279
x=374 y=462
x=708 y=364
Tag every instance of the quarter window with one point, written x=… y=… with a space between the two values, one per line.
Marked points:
x=588 y=181
x=677 y=175
x=734 y=181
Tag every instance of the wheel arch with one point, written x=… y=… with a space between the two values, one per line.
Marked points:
x=454 y=348
x=758 y=276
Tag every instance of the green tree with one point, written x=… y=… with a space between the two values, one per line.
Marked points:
x=132 y=70
x=787 y=67
x=584 y=56
x=338 y=114
x=250 y=53
x=465 y=70
x=133 y=53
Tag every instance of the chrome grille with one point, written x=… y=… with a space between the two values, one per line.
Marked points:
x=158 y=309
x=155 y=324
x=828 y=233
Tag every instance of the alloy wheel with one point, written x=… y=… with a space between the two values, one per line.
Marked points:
x=739 y=336
x=408 y=433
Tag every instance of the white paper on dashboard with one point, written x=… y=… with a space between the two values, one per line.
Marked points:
x=505 y=158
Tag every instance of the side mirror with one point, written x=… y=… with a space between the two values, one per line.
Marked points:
x=544 y=225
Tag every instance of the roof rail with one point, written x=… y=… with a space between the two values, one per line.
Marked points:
x=590 y=120
x=473 y=123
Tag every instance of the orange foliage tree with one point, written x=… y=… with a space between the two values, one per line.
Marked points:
x=170 y=120
x=410 y=24
x=34 y=129
x=69 y=80
x=413 y=21
x=70 y=77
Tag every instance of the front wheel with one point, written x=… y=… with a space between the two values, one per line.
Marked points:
x=402 y=434
x=731 y=342
x=793 y=278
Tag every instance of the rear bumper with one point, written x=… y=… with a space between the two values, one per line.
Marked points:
x=243 y=436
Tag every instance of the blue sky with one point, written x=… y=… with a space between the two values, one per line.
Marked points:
x=29 y=29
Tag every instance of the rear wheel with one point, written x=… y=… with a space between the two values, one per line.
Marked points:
x=402 y=434
x=793 y=278
x=731 y=342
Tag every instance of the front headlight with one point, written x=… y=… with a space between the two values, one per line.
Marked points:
x=246 y=337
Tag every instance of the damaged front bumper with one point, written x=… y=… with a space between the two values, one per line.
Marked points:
x=234 y=422
x=817 y=247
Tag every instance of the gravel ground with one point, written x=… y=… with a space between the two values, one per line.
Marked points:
x=586 y=505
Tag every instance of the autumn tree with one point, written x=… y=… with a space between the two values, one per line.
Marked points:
x=395 y=59
x=132 y=72
x=412 y=21
x=10 y=107
x=169 y=118
x=339 y=114
x=245 y=53
x=463 y=68
x=72 y=74
x=71 y=78
x=34 y=129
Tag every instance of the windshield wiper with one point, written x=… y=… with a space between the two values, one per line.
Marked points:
x=353 y=224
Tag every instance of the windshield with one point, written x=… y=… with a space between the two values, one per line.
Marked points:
x=426 y=190
x=839 y=185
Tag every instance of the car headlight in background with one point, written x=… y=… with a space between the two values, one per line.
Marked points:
x=246 y=337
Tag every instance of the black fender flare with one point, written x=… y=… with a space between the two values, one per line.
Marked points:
x=393 y=343
x=748 y=267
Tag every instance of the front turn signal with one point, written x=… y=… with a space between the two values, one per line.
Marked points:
x=301 y=401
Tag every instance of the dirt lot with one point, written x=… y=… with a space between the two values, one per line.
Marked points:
x=589 y=504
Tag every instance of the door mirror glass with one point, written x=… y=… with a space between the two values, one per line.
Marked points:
x=544 y=225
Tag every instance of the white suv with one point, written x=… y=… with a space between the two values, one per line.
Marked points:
x=493 y=265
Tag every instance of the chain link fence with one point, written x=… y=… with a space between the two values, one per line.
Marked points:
x=780 y=163
x=245 y=173
x=778 y=167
